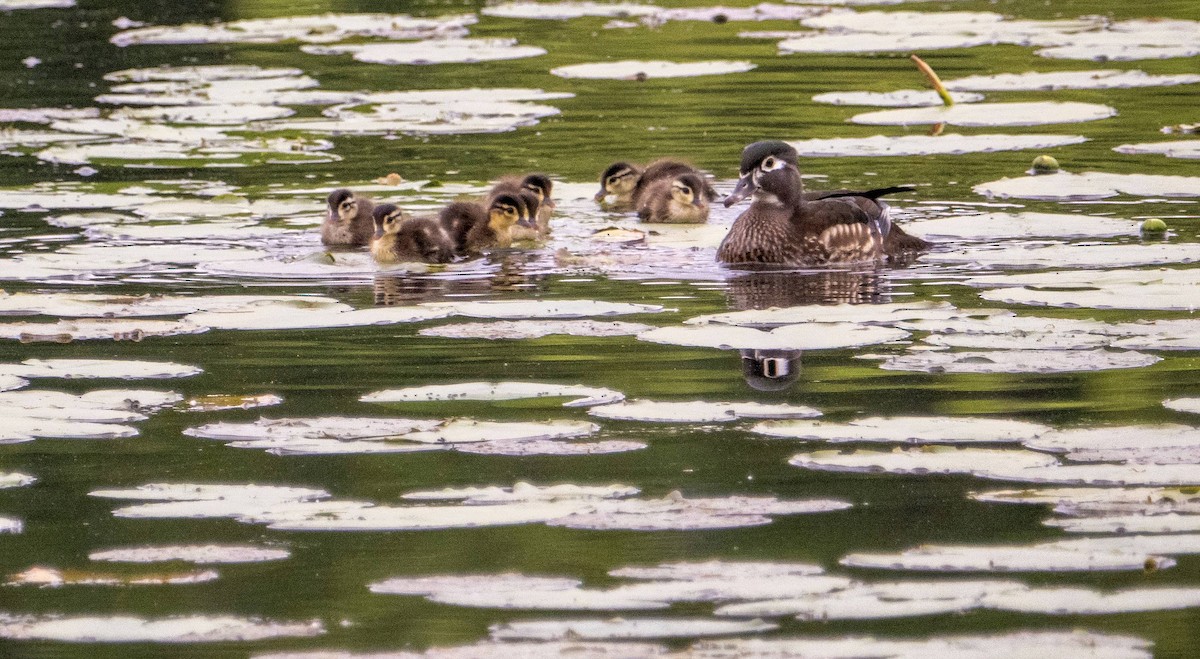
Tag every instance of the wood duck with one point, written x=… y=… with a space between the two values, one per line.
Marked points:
x=786 y=227
x=348 y=219
x=617 y=184
x=477 y=228
x=675 y=199
x=667 y=169
x=399 y=239
x=535 y=190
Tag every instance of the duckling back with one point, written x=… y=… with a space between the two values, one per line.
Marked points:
x=348 y=219
x=399 y=239
x=666 y=169
x=677 y=199
x=458 y=219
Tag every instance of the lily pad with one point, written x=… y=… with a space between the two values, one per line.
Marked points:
x=47 y=577
x=1189 y=405
x=11 y=525
x=15 y=479
x=130 y=629
x=1093 y=255
x=1019 y=643
x=99 y=368
x=640 y=70
x=497 y=391
x=437 y=51
x=548 y=309
x=525 y=447
x=677 y=513
x=1018 y=361
x=813 y=336
x=1005 y=558
x=1084 y=601
x=415 y=518
x=10 y=5
x=1055 y=80
x=198 y=554
x=1173 y=149
x=286 y=316
x=908 y=430
x=859 y=43
x=1090 y=185
x=904 y=98
x=635 y=628
x=528 y=329
x=522 y=491
x=992 y=226
x=11 y=382
x=324 y=28
x=217 y=402
x=926 y=145
x=840 y=313
x=698 y=411
x=567 y=10
x=1123 y=524
x=990 y=114
x=690 y=571
x=924 y=460
x=95 y=330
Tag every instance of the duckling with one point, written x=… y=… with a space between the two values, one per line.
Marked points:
x=667 y=169
x=458 y=219
x=618 y=181
x=398 y=239
x=348 y=219
x=494 y=226
x=678 y=199
x=534 y=190
x=783 y=227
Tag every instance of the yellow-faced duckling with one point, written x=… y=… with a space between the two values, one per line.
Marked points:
x=491 y=226
x=348 y=219
x=784 y=227
x=535 y=191
x=399 y=239
x=678 y=199
x=666 y=170
x=617 y=184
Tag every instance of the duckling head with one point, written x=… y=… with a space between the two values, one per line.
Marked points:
x=768 y=168
x=506 y=211
x=343 y=205
x=688 y=190
x=619 y=179
x=388 y=219
x=539 y=184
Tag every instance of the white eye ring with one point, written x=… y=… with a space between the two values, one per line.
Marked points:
x=771 y=164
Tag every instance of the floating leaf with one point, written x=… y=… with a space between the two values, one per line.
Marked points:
x=990 y=114
x=215 y=402
x=567 y=10
x=1090 y=185
x=1005 y=558
x=524 y=447
x=924 y=460
x=1173 y=149
x=549 y=309
x=129 y=629
x=926 y=145
x=1055 y=80
x=992 y=226
x=735 y=570
x=840 y=313
x=547 y=630
x=813 y=336
x=438 y=51
x=1072 y=255
x=311 y=29
x=677 y=513
x=640 y=70
x=910 y=430
x=1018 y=361
x=287 y=315
x=199 y=554
x=1083 y=601
x=522 y=491
x=529 y=329
x=904 y=98
x=11 y=525
x=99 y=368
x=497 y=391
x=15 y=479
x=698 y=411
x=47 y=577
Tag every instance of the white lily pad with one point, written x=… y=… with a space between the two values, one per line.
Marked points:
x=810 y=336
x=522 y=491
x=909 y=430
x=1171 y=544
x=1168 y=290
x=333 y=427
x=927 y=145
x=854 y=604
x=99 y=368
x=287 y=316
x=198 y=554
x=698 y=411
x=549 y=630
x=840 y=313
x=1172 y=149
x=1072 y=255
x=1129 y=40
x=1055 y=80
x=1018 y=361
x=1144 y=437
x=497 y=391
x=11 y=382
x=414 y=518
x=11 y=525
x=1090 y=185
x=1184 y=473
x=990 y=114
x=735 y=570
x=1103 y=501
x=1005 y=558
x=525 y=447
x=217 y=402
x=15 y=479
x=213 y=492
x=1023 y=644
x=465 y=583
x=554 y=600
x=1084 y=601
x=200 y=74
x=529 y=329
x=96 y=330
x=923 y=460
x=232 y=114
x=10 y=5
x=548 y=309
x=677 y=513
x=904 y=98
x=640 y=70
x=1122 y=524
x=726 y=588
x=130 y=629
x=1189 y=405
x=437 y=51
x=992 y=226
x=324 y=28
x=817 y=42
x=560 y=11
x=47 y=577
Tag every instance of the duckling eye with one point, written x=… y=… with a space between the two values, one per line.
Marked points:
x=347 y=205
x=685 y=189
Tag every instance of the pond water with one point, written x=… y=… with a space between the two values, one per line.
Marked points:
x=223 y=440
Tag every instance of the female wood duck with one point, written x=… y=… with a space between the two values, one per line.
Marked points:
x=676 y=199
x=399 y=239
x=348 y=219
x=786 y=227
x=475 y=228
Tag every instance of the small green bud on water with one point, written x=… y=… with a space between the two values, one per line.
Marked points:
x=1154 y=225
x=1045 y=164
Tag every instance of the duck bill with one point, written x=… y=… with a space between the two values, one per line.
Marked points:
x=331 y=216
x=599 y=197
x=378 y=233
x=745 y=188
x=526 y=222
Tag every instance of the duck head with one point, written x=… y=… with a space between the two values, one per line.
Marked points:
x=506 y=211
x=770 y=167
x=342 y=205
x=688 y=189
x=539 y=184
x=388 y=218
x=619 y=179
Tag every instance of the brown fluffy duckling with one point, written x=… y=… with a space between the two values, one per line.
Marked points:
x=478 y=228
x=399 y=239
x=617 y=184
x=667 y=169
x=348 y=219
x=783 y=226
x=535 y=190
x=677 y=199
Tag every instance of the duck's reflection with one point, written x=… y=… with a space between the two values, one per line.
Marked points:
x=502 y=271
x=778 y=370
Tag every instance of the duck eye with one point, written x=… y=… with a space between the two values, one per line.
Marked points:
x=769 y=163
